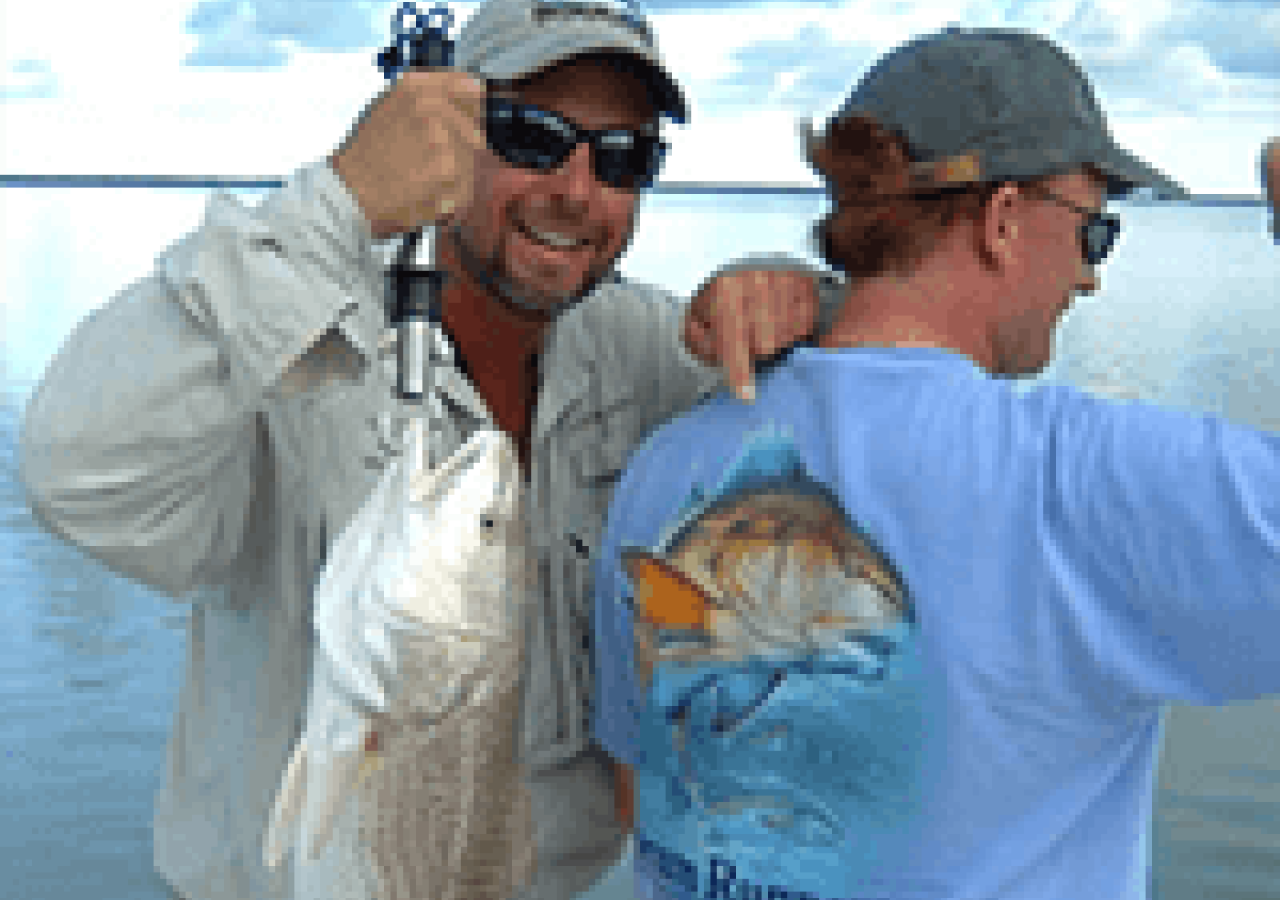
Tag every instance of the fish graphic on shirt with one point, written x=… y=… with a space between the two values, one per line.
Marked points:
x=782 y=702
x=770 y=565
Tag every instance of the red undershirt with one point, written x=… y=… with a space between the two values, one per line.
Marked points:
x=499 y=353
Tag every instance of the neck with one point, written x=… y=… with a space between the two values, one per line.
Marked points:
x=915 y=311
x=888 y=332
x=497 y=348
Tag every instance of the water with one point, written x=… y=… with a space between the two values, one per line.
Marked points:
x=90 y=663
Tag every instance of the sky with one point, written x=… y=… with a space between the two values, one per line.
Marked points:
x=258 y=88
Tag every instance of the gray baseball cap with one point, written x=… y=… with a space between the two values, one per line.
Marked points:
x=993 y=104
x=506 y=40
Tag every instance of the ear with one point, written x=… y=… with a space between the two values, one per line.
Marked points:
x=998 y=229
x=663 y=595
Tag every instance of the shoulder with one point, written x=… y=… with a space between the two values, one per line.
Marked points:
x=620 y=311
x=617 y=294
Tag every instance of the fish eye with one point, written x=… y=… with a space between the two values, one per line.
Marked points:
x=486 y=522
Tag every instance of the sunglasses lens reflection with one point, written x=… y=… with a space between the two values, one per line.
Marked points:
x=531 y=138
x=524 y=141
x=629 y=163
x=1099 y=234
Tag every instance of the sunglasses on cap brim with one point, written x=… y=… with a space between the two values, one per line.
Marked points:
x=530 y=137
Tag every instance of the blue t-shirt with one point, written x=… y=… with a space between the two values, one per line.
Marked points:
x=897 y=630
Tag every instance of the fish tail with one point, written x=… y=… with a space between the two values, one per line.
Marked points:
x=287 y=806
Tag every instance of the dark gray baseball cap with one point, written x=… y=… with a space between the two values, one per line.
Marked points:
x=992 y=105
x=505 y=40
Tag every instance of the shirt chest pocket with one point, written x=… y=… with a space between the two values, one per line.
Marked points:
x=586 y=458
x=597 y=457
x=333 y=445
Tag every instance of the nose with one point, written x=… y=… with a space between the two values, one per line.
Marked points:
x=1088 y=282
x=573 y=178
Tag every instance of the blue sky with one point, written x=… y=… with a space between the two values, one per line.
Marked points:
x=260 y=87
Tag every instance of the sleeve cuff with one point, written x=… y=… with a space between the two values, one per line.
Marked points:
x=343 y=202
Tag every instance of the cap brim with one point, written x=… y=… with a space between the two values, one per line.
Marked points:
x=554 y=46
x=1126 y=173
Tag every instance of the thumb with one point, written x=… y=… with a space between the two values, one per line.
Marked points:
x=697 y=339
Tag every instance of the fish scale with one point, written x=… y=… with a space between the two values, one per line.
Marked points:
x=406 y=767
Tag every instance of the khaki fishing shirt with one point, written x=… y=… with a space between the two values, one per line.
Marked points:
x=215 y=425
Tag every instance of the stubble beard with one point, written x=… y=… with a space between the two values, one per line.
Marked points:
x=495 y=279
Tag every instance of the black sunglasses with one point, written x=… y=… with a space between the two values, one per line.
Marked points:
x=1097 y=234
x=530 y=137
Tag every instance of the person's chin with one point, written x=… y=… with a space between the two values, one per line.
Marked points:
x=540 y=296
x=546 y=269
x=1035 y=371
x=1032 y=366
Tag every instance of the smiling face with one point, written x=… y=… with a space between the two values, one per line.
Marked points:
x=1051 y=271
x=518 y=215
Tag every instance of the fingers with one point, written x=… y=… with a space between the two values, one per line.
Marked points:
x=424 y=148
x=765 y=330
x=455 y=114
x=466 y=113
x=749 y=315
x=733 y=332
x=450 y=108
x=474 y=108
x=453 y=180
x=698 y=334
x=468 y=130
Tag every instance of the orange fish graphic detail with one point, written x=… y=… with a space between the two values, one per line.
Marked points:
x=665 y=597
x=770 y=569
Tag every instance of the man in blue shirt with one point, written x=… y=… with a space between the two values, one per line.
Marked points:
x=898 y=630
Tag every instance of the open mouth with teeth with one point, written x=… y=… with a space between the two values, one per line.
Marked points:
x=549 y=238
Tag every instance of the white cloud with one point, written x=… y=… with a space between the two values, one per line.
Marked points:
x=106 y=92
x=128 y=105
x=28 y=79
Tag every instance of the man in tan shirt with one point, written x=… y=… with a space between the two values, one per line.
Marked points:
x=212 y=428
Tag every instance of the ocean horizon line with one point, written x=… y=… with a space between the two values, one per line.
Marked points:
x=261 y=182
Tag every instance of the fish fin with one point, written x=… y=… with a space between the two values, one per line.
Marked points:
x=665 y=596
x=287 y=806
x=341 y=775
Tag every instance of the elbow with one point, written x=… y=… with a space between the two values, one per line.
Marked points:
x=172 y=534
